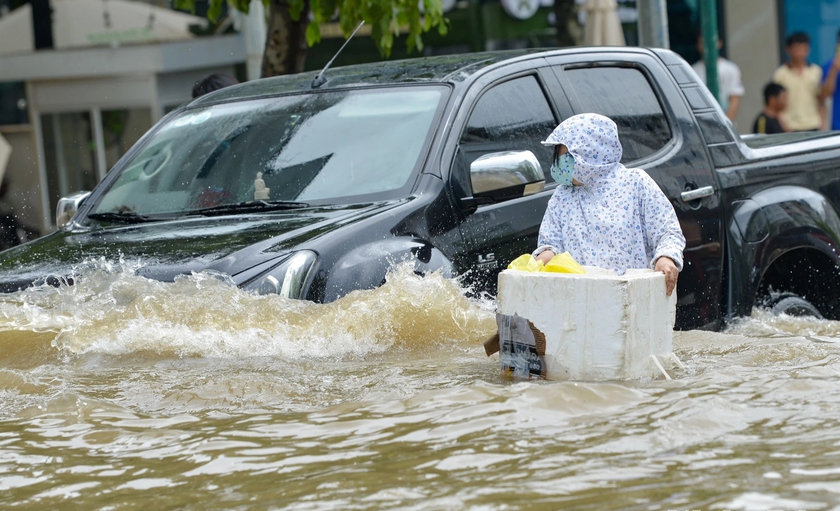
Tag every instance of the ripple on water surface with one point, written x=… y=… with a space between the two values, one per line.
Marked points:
x=124 y=393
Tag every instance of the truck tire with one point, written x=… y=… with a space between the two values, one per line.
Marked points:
x=793 y=305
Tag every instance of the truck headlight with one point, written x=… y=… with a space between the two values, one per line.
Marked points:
x=287 y=278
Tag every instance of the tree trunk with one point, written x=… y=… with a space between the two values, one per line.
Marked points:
x=285 y=46
x=569 y=31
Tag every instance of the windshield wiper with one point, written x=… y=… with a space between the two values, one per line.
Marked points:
x=248 y=207
x=123 y=217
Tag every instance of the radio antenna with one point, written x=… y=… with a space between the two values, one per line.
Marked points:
x=319 y=78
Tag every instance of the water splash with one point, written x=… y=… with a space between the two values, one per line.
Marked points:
x=111 y=311
x=764 y=323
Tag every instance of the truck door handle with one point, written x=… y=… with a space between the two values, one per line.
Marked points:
x=697 y=193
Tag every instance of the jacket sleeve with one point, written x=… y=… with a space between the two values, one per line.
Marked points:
x=550 y=237
x=663 y=235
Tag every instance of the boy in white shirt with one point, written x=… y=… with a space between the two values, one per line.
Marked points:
x=729 y=81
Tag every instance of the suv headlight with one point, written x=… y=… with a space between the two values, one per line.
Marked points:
x=287 y=278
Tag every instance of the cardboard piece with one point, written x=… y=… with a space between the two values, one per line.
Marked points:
x=521 y=347
x=493 y=344
x=597 y=326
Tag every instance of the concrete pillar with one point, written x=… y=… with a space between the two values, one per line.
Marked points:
x=752 y=42
x=99 y=143
x=47 y=219
x=653 y=23
x=254 y=32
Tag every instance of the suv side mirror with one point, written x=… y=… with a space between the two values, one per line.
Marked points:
x=506 y=175
x=67 y=207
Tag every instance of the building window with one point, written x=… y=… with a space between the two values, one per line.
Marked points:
x=121 y=129
x=820 y=19
x=13 y=106
x=69 y=153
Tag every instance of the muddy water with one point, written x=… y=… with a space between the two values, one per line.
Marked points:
x=121 y=393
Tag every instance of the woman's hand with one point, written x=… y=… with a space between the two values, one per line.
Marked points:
x=545 y=256
x=667 y=266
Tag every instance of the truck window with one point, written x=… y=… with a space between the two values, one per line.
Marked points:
x=512 y=116
x=625 y=96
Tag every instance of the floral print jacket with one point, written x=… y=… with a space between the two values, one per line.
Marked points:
x=618 y=218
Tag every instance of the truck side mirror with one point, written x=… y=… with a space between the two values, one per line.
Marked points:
x=67 y=207
x=496 y=177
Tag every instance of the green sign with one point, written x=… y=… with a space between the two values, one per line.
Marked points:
x=120 y=36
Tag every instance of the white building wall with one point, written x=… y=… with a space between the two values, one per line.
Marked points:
x=130 y=91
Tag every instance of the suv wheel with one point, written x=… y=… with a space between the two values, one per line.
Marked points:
x=793 y=305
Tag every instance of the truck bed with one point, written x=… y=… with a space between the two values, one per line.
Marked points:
x=762 y=141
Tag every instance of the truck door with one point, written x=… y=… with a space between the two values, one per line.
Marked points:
x=659 y=134
x=510 y=113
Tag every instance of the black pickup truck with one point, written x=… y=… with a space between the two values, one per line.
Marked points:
x=314 y=191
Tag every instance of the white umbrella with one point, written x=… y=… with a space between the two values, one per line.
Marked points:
x=5 y=152
x=602 y=28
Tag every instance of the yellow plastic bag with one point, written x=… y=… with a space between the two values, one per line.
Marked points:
x=525 y=262
x=563 y=263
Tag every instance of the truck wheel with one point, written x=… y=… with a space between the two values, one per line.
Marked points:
x=794 y=306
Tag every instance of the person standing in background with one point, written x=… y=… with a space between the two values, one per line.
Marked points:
x=803 y=81
x=212 y=83
x=729 y=80
x=775 y=101
x=830 y=90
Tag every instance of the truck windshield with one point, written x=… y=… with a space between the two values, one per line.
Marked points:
x=331 y=147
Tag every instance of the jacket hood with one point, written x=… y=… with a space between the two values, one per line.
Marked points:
x=592 y=140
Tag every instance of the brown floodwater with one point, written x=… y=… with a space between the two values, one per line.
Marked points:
x=124 y=393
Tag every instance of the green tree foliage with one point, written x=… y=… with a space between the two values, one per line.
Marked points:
x=387 y=18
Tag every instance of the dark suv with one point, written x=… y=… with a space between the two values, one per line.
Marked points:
x=312 y=192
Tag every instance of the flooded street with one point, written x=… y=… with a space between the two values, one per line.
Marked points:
x=124 y=393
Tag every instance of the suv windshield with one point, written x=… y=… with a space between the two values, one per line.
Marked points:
x=331 y=147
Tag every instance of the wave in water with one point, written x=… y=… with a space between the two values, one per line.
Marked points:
x=111 y=311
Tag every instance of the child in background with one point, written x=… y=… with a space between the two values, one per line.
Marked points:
x=775 y=100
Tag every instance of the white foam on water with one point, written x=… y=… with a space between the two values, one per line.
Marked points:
x=110 y=310
x=763 y=323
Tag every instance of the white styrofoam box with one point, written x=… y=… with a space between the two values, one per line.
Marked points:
x=598 y=326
